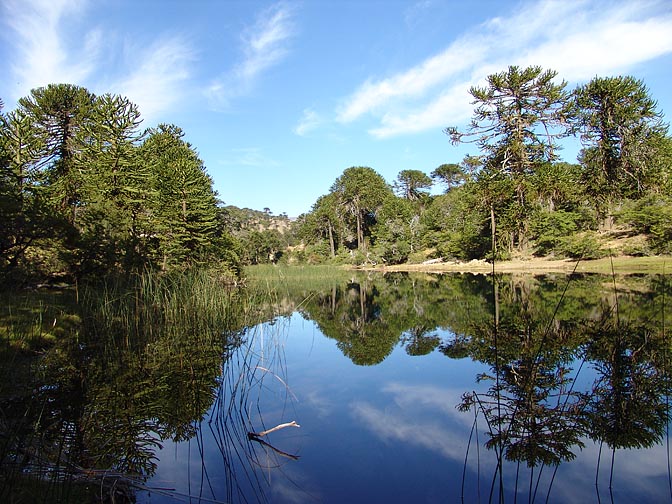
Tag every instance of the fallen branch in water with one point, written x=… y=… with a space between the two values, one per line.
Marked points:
x=277 y=427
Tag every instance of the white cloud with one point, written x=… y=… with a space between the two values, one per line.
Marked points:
x=412 y=83
x=263 y=46
x=251 y=157
x=158 y=74
x=453 y=103
x=42 y=55
x=578 y=39
x=51 y=46
x=308 y=122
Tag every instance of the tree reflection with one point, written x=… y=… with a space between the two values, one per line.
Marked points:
x=100 y=403
x=419 y=340
x=531 y=410
x=627 y=407
x=534 y=411
x=354 y=318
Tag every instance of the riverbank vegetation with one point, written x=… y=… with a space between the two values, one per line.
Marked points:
x=85 y=193
x=515 y=196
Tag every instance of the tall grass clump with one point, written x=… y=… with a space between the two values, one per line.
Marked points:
x=135 y=310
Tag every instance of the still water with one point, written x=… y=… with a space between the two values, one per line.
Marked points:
x=374 y=372
x=396 y=388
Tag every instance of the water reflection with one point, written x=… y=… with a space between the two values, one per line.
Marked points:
x=87 y=419
x=472 y=387
x=586 y=361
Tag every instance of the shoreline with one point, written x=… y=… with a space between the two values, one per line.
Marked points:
x=607 y=265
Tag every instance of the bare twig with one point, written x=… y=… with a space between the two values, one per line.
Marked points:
x=277 y=427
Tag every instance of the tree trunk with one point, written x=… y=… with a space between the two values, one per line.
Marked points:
x=361 y=244
x=493 y=231
x=332 y=246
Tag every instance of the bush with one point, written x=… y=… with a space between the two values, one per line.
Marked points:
x=550 y=229
x=582 y=246
x=651 y=216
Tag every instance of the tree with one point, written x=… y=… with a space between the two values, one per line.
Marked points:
x=412 y=184
x=262 y=247
x=117 y=187
x=456 y=224
x=451 y=175
x=519 y=117
x=360 y=192
x=323 y=221
x=395 y=230
x=184 y=211
x=58 y=115
x=18 y=226
x=623 y=135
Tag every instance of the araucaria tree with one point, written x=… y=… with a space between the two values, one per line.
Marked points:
x=361 y=192
x=412 y=184
x=84 y=192
x=519 y=116
x=185 y=213
x=623 y=135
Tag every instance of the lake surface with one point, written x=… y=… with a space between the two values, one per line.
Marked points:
x=441 y=388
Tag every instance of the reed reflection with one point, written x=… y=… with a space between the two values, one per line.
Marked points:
x=145 y=367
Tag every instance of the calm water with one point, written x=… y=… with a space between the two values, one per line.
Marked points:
x=412 y=389
x=377 y=399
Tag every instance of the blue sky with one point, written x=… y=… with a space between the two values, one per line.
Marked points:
x=279 y=98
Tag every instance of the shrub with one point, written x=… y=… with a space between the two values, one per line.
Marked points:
x=582 y=246
x=550 y=229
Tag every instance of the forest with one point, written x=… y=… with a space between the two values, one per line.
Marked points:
x=85 y=192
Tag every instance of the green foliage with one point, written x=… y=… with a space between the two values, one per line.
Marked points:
x=185 y=214
x=360 y=193
x=454 y=226
x=550 y=230
x=261 y=247
x=651 y=216
x=84 y=193
x=395 y=233
x=450 y=174
x=412 y=184
x=622 y=132
x=585 y=245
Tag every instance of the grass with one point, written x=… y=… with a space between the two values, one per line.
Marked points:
x=34 y=320
x=273 y=277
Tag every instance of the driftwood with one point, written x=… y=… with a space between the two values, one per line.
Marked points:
x=256 y=436
x=277 y=427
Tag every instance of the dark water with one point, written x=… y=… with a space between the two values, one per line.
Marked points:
x=406 y=389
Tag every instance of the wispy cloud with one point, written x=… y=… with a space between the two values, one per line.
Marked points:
x=264 y=45
x=41 y=54
x=413 y=83
x=308 y=122
x=51 y=43
x=250 y=157
x=579 y=39
x=158 y=75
